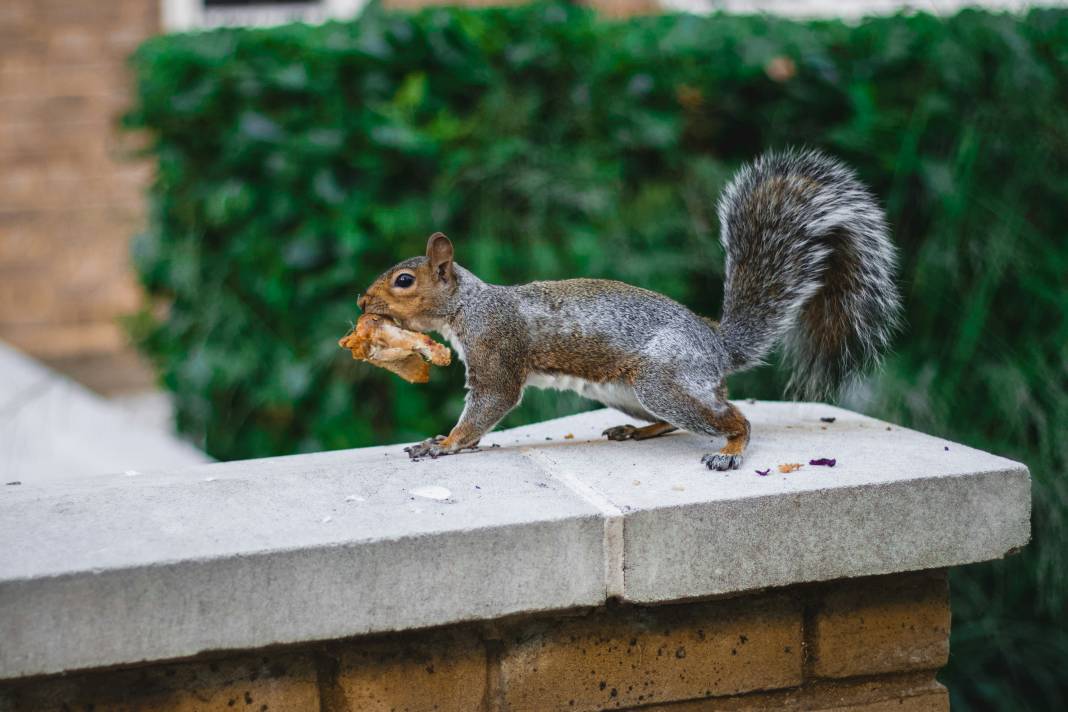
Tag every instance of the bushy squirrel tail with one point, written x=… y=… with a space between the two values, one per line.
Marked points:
x=810 y=262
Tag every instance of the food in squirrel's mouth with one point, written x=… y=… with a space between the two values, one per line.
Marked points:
x=380 y=342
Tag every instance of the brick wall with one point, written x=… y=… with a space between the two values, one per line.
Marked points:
x=870 y=645
x=69 y=200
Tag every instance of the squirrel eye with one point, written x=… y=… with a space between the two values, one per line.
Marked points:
x=404 y=281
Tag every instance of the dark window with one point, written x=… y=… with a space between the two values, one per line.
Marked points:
x=260 y=3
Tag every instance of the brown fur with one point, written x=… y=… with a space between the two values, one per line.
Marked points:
x=827 y=316
x=735 y=426
x=631 y=432
x=731 y=423
x=772 y=193
x=585 y=357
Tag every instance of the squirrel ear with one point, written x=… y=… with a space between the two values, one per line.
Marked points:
x=439 y=251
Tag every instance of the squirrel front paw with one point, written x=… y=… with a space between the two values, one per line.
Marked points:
x=719 y=461
x=431 y=447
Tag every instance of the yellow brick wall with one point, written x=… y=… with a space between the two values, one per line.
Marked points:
x=69 y=198
x=868 y=645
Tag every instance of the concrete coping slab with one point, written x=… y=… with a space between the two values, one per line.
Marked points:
x=118 y=569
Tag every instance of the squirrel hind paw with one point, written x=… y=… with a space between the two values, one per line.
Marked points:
x=620 y=432
x=721 y=462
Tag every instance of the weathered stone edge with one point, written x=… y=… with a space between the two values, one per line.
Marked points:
x=702 y=549
x=179 y=609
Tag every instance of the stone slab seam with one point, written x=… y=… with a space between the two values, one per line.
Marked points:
x=613 y=519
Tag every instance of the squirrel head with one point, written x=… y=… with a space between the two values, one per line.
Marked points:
x=415 y=293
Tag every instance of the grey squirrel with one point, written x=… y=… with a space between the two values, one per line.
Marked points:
x=808 y=261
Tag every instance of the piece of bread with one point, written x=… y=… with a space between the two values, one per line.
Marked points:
x=379 y=341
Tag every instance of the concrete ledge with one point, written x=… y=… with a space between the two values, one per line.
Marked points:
x=117 y=569
x=896 y=500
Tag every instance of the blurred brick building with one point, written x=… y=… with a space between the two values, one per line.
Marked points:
x=71 y=192
x=69 y=200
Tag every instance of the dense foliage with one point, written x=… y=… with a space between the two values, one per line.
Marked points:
x=297 y=163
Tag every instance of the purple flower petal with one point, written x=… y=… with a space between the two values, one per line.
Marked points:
x=825 y=461
x=764 y=473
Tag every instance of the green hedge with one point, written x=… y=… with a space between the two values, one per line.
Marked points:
x=296 y=163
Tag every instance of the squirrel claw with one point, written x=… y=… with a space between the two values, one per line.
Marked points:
x=722 y=462
x=619 y=432
x=431 y=447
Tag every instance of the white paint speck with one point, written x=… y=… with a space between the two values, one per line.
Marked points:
x=327 y=519
x=432 y=492
x=209 y=479
x=355 y=498
x=131 y=473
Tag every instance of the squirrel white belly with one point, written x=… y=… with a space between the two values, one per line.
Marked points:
x=614 y=394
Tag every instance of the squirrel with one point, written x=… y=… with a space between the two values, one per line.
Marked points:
x=809 y=262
